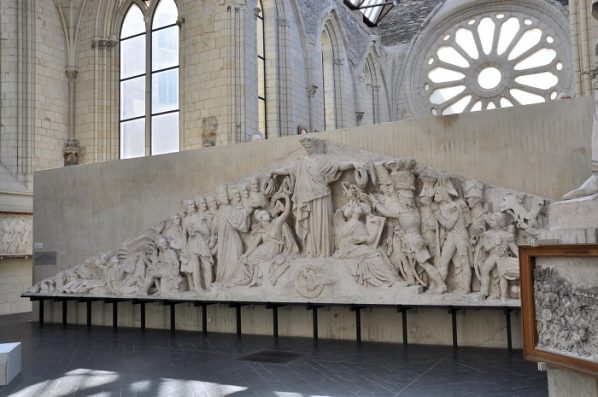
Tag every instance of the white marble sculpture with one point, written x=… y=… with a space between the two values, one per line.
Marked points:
x=334 y=225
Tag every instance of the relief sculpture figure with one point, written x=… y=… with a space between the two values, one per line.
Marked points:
x=453 y=217
x=312 y=200
x=406 y=236
x=370 y=266
x=270 y=247
x=501 y=253
x=163 y=273
x=194 y=229
x=233 y=218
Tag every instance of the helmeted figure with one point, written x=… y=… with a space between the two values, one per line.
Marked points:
x=453 y=216
x=474 y=195
x=407 y=246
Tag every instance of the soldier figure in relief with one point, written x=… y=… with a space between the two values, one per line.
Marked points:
x=453 y=216
x=499 y=246
x=474 y=195
x=408 y=247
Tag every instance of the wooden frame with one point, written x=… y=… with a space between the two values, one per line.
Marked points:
x=527 y=260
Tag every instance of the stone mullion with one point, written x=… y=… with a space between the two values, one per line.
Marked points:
x=339 y=114
x=284 y=99
x=236 y=10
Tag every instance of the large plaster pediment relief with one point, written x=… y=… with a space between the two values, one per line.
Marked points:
x=327 y=224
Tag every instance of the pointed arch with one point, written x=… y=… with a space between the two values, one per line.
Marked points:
x=332 y=60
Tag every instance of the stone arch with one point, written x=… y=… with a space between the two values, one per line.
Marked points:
x=335 y=93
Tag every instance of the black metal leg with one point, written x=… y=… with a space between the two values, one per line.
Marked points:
x=509 y=336
x=238 y=313
x=358 y=325
x=142 y=314
x=114 y=314
x=204 y=318
x=453 y=312
x=314 y=314
x=275 y=321
x=357 y=310
x=403 y=311
x=64 y=311
x=41 y=312
x=172 y=317
x=88 y=313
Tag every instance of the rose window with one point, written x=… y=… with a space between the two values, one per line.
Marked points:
x=493 y=60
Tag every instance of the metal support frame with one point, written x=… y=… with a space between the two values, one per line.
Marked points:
x=41 y=312
x=172 y=316
x=88 y=312
x=238 y=307
x=403 y=310
x=314 y=313
x=508 y=311
x=357 y=310
x=453 y=311
x=274 y=307
x=65 y=308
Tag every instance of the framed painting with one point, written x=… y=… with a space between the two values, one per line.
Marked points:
x=559 y=305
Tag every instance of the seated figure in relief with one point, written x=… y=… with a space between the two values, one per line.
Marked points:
x=369 y=265
x=271 y=246
x=163 y=273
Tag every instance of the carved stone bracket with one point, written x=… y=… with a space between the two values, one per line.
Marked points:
x=71 y=73
x=101 y=42
x=71 y=152
x=311 y=90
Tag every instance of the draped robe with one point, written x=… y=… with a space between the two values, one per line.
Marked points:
x=312 y=204
x=231 y=221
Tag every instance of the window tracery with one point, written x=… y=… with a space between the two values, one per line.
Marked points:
x=149 y=81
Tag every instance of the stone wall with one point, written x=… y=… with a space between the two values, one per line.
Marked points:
x=15 y=277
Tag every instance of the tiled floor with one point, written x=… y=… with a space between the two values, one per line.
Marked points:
x=99 y=361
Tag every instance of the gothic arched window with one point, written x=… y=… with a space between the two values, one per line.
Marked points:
x=149 y=80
